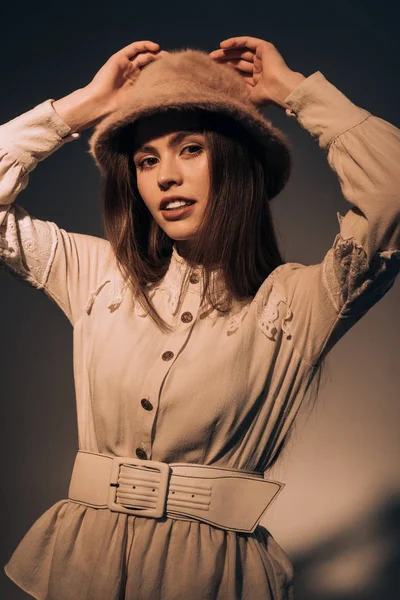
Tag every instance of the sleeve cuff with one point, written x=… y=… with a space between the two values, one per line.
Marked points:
x=35 y=134
x=323 y=109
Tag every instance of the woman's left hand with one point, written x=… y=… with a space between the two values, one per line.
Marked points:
x=268 y=78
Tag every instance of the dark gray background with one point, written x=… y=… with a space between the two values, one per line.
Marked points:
x=339 y=515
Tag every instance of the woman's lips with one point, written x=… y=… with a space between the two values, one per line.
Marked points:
x=176 y=214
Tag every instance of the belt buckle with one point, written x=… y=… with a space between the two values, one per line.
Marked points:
x=159 y=509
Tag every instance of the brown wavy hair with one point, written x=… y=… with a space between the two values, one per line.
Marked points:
x=237 y=233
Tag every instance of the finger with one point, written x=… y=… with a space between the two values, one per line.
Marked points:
x=244 y=72
x=145 y=58
x=141 y=46
x=232 y=53
x=242 y=41
x=141 y=60
x=241 y=65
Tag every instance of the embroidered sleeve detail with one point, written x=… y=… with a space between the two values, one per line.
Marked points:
x=268 y=313
x=93 y=296
x=267 y=302
x=116 y=294
x=286 y=319
x=353 y=283
x=116 y=291
x=27 y=246
x=119 y=285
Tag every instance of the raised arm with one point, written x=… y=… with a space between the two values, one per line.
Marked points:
x=324 y=301
x=316 y=305
x=66 y=266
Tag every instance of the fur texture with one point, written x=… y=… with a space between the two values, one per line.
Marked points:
x=190 y=78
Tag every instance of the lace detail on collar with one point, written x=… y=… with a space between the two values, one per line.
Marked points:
x=116 y=292
x=171 y=285
x=173 y=279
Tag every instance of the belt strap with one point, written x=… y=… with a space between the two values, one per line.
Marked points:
x=226 y=498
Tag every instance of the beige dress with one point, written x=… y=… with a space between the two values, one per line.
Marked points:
x=223 y=389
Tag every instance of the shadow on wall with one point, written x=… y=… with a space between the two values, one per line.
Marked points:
x=361 y=562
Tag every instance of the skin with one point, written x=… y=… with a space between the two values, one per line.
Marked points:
x=268 y=78
x=182 y=169
x=178 y=170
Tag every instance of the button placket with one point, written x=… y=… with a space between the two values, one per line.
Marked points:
x=194 y=278
x=145 y=419
x=157 y=374
x=147 y=405
x=140 y=453
x=186 y=317
x=190 y=305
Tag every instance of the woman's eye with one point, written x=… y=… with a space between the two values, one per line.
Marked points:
x=193 y=146
x=141 y=165
x=198 y=149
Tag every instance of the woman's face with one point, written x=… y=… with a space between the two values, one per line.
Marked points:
x=171 y=159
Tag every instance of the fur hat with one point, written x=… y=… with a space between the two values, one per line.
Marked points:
x=191 y=79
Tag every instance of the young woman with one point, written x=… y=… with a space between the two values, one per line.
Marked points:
x=195 y=344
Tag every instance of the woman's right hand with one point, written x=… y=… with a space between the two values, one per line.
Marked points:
x=89 y=105
x=121 y=71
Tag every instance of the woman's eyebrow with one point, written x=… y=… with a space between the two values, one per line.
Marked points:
x=173 y=141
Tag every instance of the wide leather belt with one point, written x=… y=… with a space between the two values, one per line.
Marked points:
x=226 y=498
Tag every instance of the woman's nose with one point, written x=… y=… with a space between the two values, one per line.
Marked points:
x=169 y=173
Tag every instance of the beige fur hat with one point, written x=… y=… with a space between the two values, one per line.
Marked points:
x=191 y=79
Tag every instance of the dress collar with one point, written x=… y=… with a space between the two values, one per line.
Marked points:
x=182 y=262
x=171 y=284
x=177 y=257
x=179 y=265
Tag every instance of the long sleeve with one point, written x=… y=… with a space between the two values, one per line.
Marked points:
x=323 y=301
x=67 y=266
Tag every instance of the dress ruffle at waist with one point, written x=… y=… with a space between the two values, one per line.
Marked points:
x=75 y=552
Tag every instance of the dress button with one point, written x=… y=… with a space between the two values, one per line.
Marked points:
x=146 y=404
x=140 y=453
x=168 y=355
x=194 y=278
x=187 y=317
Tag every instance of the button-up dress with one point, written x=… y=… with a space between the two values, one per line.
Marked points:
x=221 y=389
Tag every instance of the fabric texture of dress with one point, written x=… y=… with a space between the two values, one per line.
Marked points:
x=224 y=389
